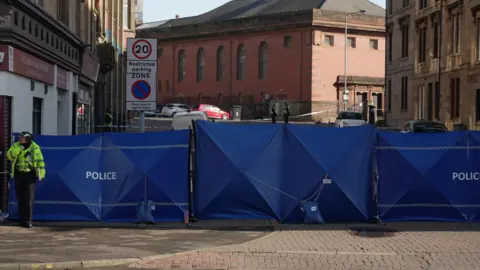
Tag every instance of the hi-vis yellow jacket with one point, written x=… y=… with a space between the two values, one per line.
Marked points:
x=27 y=160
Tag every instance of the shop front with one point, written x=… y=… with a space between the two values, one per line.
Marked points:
x=84 y=99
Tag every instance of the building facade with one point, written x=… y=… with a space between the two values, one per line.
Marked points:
x=138 y=12
x=270 y=54
x=432 y=62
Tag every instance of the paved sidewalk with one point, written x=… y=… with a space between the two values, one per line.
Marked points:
x=73 y=245
x=398 y=246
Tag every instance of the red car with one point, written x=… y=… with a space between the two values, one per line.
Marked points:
x=211 y=111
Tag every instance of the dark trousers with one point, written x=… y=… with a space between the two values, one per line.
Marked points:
x=25 y=191
x=285 y=118
x=274 y=119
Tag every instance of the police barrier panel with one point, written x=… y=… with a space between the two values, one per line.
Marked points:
x=107 y=177
x=269 y=171
x=431 y=177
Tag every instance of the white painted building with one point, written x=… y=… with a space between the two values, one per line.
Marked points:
x=41 y=93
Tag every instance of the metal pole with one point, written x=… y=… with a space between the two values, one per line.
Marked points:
x=345 y=90
x=142 y=121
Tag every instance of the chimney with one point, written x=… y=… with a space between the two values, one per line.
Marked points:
x=177 y=16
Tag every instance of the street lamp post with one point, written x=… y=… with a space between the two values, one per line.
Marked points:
x=345 y=89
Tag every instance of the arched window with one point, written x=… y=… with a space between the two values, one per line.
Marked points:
x=200 y=64
x=262 y=60
x=220 y=63
x=241 y=62
x=181 y=65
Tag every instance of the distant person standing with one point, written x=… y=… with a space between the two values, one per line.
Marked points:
x=108 y=119
x=28 y=166
x=286 y=112
x=273 y=114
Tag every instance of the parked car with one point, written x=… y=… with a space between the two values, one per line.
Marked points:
x=424 y=126
x=152 y=113
x=350 y=119
x=212 y=111
x=173 y=108
x=183 y=120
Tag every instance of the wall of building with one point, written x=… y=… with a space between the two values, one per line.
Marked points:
x=283 y=76
x=56 y=118
x=399 y=67
x=328 y=61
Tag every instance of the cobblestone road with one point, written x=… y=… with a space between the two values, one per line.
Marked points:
x=419 y=246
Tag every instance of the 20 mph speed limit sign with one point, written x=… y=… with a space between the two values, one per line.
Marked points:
x=141 y=49
x=141 y=87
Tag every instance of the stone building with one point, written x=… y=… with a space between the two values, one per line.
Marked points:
x=59 y=66
x=252 y=52
x=432 y=61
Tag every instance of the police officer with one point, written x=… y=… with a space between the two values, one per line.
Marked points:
x=286 y=112
x=28 y=166
x=273 y=114
x=108 y=118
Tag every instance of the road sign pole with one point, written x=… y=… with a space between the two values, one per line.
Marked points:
x=142 y=121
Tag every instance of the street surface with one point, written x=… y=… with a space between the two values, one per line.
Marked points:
x=218 y=245
x=67 y=242
x=165 y=124
x=402 y=246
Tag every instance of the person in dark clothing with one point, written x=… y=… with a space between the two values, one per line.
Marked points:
x=286 y=112
x=28 y=166
x=273 y=114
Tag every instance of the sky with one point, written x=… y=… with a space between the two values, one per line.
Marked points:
x=157 y=10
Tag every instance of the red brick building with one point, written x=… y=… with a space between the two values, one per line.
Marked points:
x=247 y=51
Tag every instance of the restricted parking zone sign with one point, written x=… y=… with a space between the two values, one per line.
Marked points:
x=141 y=88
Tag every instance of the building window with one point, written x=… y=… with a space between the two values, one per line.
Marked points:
x=374 y=44
x=422 y=44
x=390 y=7
x=436 y=40
x=455 y=33
x=477 y=105
x=478 y=39
x=23 y=23
x=430 y=101
x=405 y=29
x=37 y=116
x=220 y=63
x=329 y=40
x=63 y=12
x=262 y=60
x=167 y=86
x=404 y=105
x=15 y=18
x=455 y=98
x=30 y=27
x=389 y=93
x=423 y=4
x=406 y=3
x=352 y=42
x=200 y=64
x=437 y=101
x=390 y=48
x=241 y=62
x=181 y=65
x=287 y=41
x=421 y=101
x=36 y=30
x=159 y=86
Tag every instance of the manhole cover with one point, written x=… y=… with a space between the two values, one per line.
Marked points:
x=373 y=232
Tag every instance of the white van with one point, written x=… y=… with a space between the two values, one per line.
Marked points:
x=183 y=120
